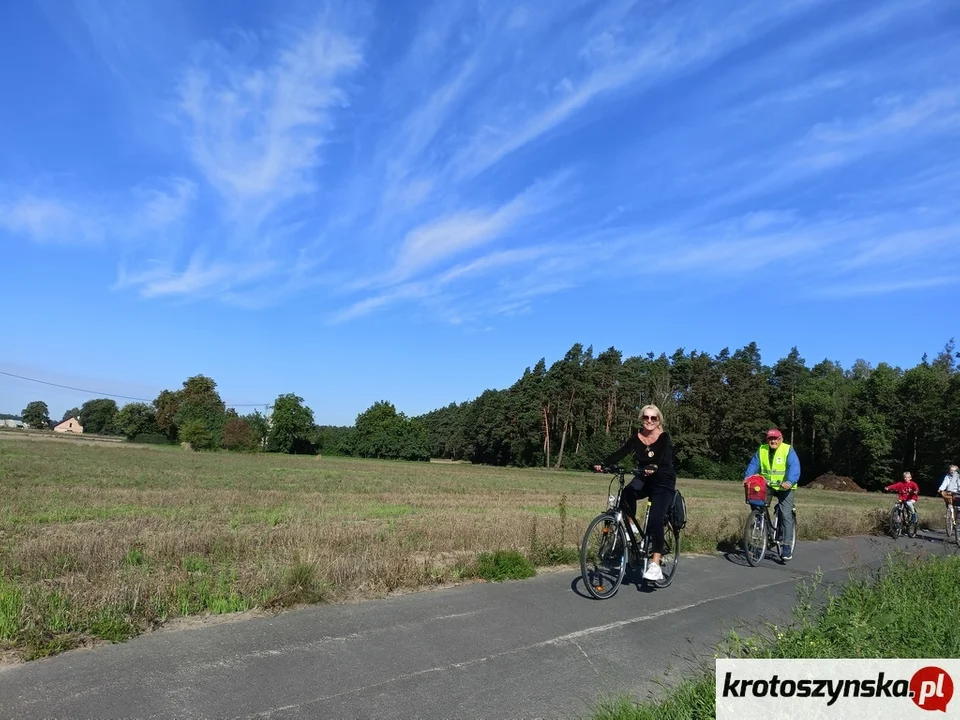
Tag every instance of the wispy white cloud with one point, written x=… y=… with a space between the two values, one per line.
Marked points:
x=494 y=261
x=934 y=111
x=891 y=123
x=899 y=248
x=683 y=140
x=47 y=219
x=618 y=57
x=882 y=286
x=255 y=132
x=440 y=239
x=57 y=216
x=160 y=207
x=199 y=278
x=803 y=91
x=364 y=307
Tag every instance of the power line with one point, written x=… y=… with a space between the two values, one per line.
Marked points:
x=112 y=395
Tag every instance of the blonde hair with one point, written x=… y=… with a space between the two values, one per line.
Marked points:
x=953 y=469
x=655 y=409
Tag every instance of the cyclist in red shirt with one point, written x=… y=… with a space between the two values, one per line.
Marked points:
x=908 y=492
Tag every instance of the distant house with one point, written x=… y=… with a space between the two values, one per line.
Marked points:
x=71 y=425
x=18 y=424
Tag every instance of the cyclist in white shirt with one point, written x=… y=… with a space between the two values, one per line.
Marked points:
x=951 y=482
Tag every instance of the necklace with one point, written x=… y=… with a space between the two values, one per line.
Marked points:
x=649 y=448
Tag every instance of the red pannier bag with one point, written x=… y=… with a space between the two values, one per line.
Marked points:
x=755 y=490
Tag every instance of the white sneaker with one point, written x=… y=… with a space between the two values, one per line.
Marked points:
x=653 y=573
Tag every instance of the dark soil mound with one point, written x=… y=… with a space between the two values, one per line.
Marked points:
x=835 y=482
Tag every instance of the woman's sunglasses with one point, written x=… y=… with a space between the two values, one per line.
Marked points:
x=652 y=418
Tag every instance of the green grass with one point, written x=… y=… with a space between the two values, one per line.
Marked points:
x=904 y=609
x=503 y=565
x=691 y=700
x=11 y=607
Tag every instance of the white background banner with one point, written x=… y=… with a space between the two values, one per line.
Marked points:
x=782 y=689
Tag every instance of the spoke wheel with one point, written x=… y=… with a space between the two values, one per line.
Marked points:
x=793 y=535
x=603 y=556
x=755 y=537
x=912 y=525
x=778 y=533
x=896 y=526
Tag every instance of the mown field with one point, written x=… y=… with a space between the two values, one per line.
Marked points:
x=101 y=541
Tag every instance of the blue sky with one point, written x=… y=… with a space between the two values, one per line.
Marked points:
x=414 y=201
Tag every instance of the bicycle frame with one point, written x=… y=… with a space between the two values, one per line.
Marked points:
x=772 y=517
x=613 y=507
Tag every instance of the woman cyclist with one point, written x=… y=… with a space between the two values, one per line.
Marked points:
x=653 y=454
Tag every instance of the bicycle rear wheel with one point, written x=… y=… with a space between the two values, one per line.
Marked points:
x=896 y=524
x=603 y=556
x=910 y=525
x=670 y=557
x=755 y=537
x=778 y=531
x=793 y=535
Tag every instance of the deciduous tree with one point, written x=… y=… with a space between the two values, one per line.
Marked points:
x=36 y=415
x=136 y=419
x=99 y=416
x=291 y=426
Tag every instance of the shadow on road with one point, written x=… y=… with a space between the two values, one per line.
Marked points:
x=738 y=558
x=575 y=586
x=632 y=578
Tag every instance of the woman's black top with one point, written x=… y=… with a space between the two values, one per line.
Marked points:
x=662 y=458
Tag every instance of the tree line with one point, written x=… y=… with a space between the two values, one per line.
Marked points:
x=196 y=415
x=868 y=423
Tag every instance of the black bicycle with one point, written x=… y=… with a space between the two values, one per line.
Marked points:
x=902 y=520
x=609 y=546
x=762 y=530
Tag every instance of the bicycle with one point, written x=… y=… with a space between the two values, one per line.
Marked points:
x=951 y=501
x=900 y=518
x=609 y=545
x=760 y=529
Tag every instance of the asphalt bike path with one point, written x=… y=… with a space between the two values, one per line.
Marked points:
x=537 y=648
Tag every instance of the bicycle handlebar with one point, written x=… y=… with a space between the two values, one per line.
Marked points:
x=617 y=470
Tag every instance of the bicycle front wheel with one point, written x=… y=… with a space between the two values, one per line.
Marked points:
x=603 y=556
x=948 y=522
x=896 y=525
x=755 y=537
x=670 y=557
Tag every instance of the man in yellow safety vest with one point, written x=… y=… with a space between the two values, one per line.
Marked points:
x=780 y=466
